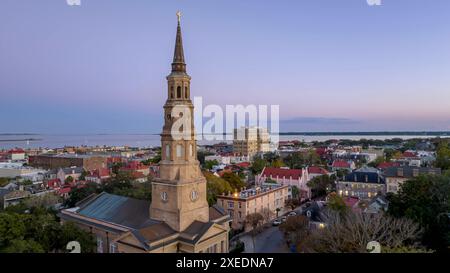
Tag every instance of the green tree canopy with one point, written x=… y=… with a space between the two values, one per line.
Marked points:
x=425 y=199
x=320 y=185
x=234 y=180
x=215 y=186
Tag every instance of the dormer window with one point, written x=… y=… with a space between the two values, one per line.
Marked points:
x=179 y=92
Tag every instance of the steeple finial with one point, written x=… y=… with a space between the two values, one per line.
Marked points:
x=178 y=64
x=179 y=16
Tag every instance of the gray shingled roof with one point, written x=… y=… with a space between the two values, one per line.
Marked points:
x=408 y=171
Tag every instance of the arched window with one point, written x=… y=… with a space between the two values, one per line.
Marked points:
x=179 y=92
x=167 y=151
x=186 y=93
x=179 y=150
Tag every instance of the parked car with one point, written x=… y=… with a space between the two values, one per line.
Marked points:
x=276 y=223
x=283 y=219
x=292 y=213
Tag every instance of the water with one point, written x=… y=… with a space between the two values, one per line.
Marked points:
x=149 y=140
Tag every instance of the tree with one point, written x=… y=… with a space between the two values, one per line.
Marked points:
x=69 y=232
x=267 y=215
x=234 y=180
x=4 y=181
x=201 y=156
x=46 y=200
x=336 y=203
x=209 y=164
x=78 y=194
x=443 y=155
x=341 y=173
x=83 y=175
x=39 y=231
x=319 y=185
x=157 y=158
x=425 y=200
x=277 y=163
x=258 y=165
x=295 y=192
x=254 y=220
x=270 y=157
x=69 y=179
x=296 y=230
x=23 y=246
x=300 y=160
x=351 y=232
x=116 y=167
x=215 y=186
x=377 y=162
x=292 y=203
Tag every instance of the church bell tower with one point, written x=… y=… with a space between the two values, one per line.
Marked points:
x=179 y=194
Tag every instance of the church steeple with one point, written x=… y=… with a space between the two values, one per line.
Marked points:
x=179 y=195
x=178 y=64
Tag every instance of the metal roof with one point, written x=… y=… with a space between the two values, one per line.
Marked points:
x=120 y=210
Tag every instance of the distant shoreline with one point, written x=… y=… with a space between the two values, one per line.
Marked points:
x=20 y=140
x=350 y=133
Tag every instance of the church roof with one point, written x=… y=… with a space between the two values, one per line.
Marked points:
x=124 y=211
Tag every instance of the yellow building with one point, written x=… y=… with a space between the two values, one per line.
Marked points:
x=250 y=140
x=265 y=200
x=178 y=218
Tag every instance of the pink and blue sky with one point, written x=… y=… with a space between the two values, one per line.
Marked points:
x=331 y=65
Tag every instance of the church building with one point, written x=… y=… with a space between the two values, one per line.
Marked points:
x=178 y=219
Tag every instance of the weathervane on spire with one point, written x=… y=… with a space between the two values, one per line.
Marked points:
x=179 y=16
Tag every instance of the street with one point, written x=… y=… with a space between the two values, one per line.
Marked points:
x=269 y=240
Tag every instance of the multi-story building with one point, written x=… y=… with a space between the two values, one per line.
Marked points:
x=395 y=176
x=287 y=177
x=12 y=170
x=250 y=140
x=178 y=219
x=268 y=200
x=363 y=183
x=56 y=161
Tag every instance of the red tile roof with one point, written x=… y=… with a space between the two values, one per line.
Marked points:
x=280 y=173
x=54 y=183
x=137 y=175
x=386 y=165
x=341 y=164
x=64 y=190
x=243 y=164
x=409 y=154
x=317 y=170
x=16 y=151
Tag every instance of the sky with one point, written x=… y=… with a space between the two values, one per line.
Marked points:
x=330 y=65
